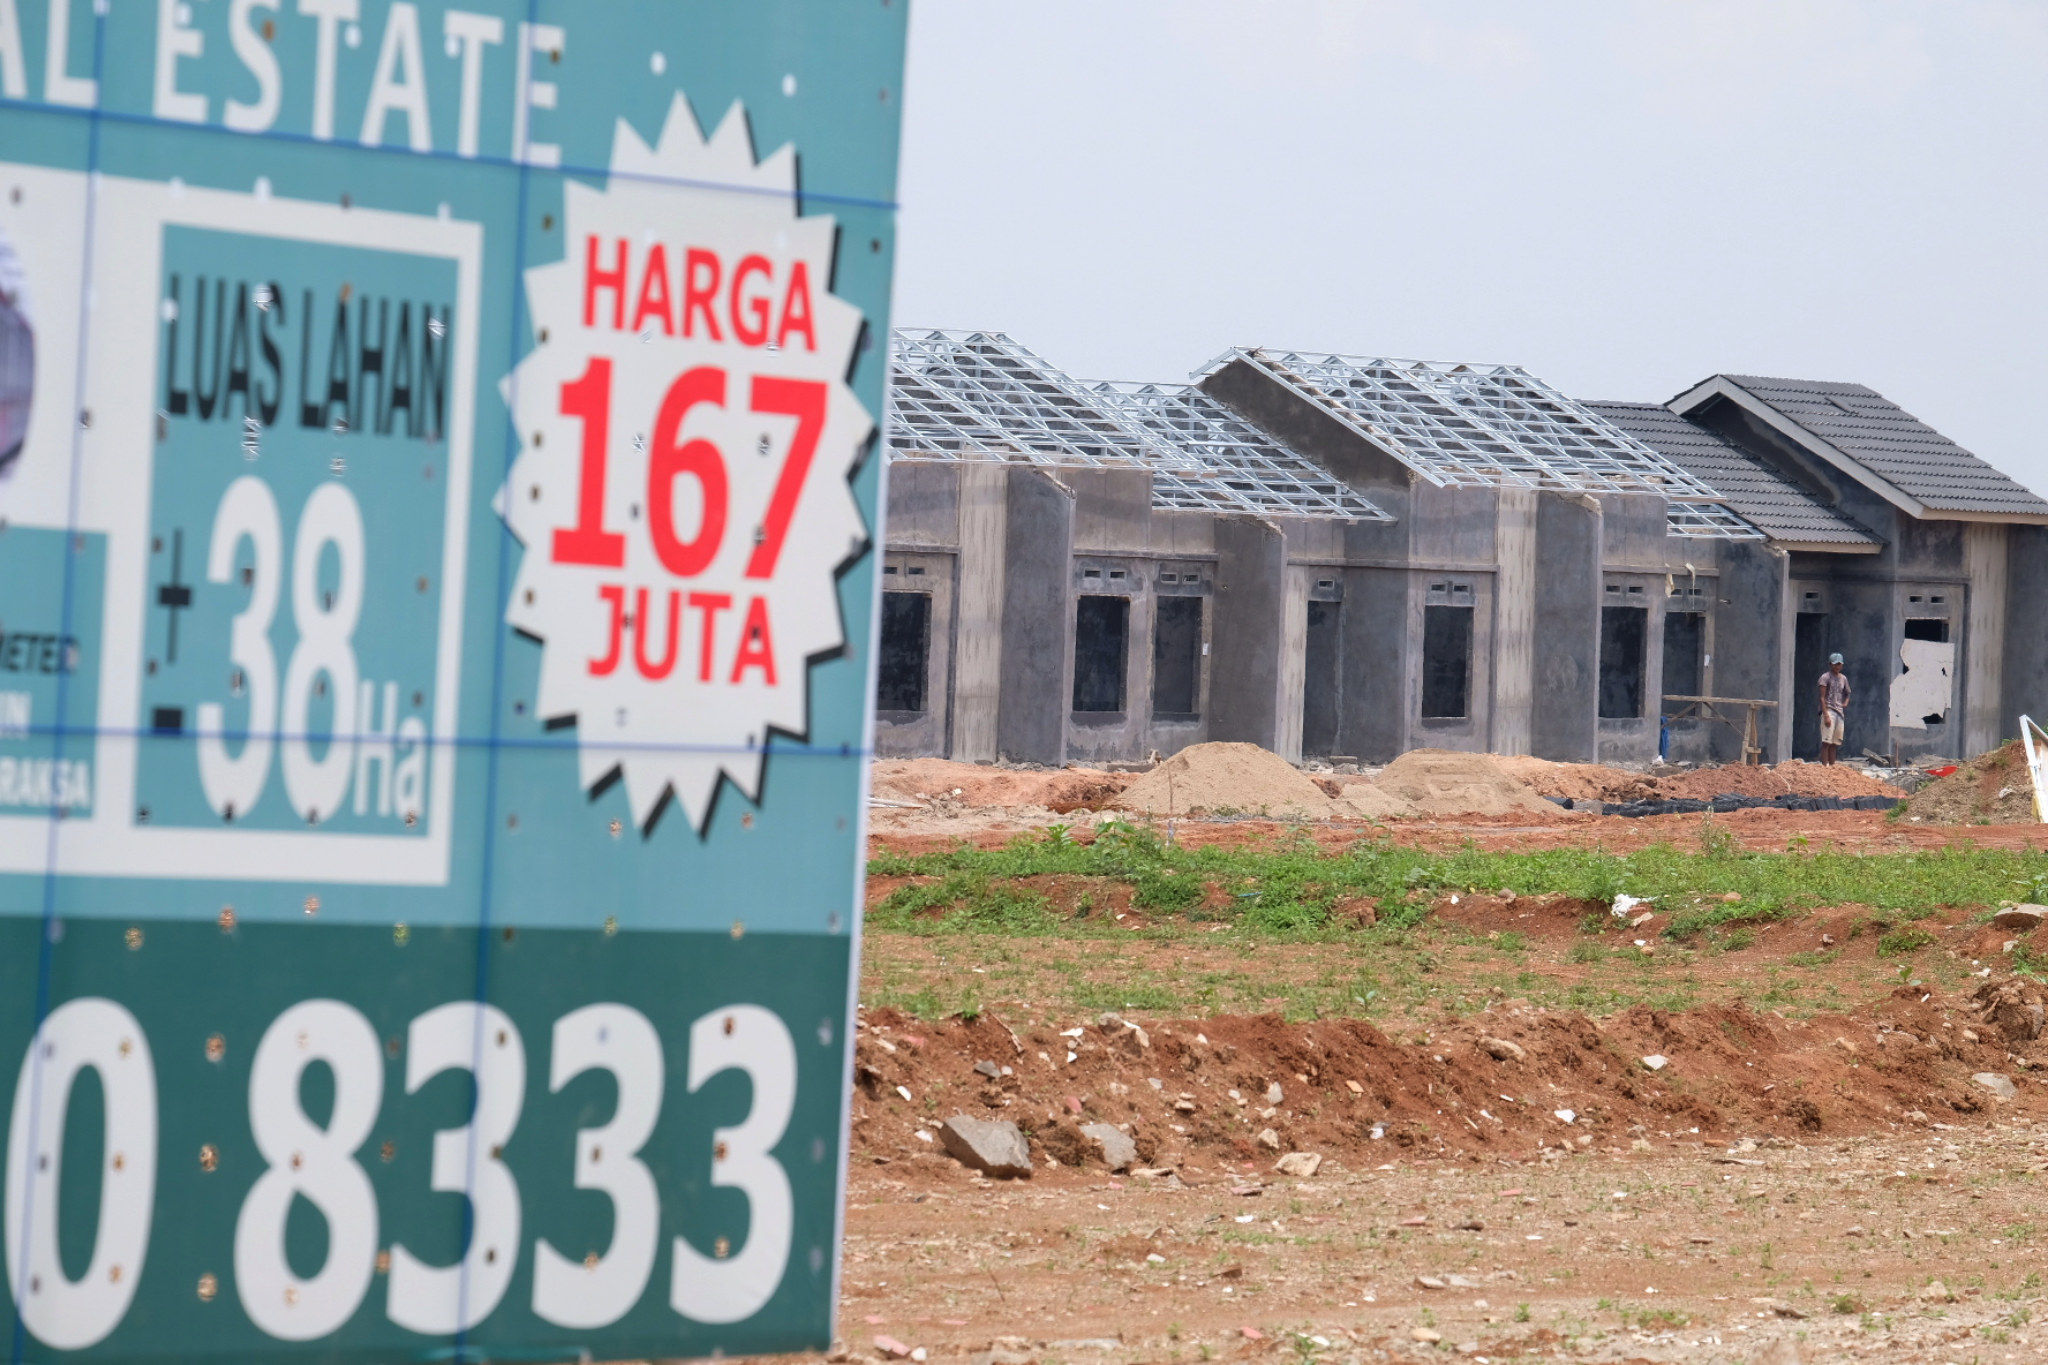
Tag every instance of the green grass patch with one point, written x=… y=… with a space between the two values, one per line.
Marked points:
x=1288 y=888
x=1899 y=942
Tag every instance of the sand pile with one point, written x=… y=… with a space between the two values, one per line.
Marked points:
x=1993 y=787
x=1365 y=799
x=1225 y=778
x=1577 y=781
x=928 y=780
x=1442 y=782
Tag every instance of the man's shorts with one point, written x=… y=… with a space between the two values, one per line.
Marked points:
x=1831 y=728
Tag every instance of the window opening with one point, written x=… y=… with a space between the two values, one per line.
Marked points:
x=1446 y=662
x=1177 y=658
x=1622 y=631
x=1102 y=630
x=901 y=670
x=1927 y=628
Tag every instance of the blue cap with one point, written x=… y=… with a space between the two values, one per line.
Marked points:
x=1834 y=658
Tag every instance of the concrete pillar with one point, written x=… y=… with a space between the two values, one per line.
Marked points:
x=1514 y=621
x=2025 y=665
x=1752 y=644
x=978 y=633
x=1293 y=680
x=1251 y=605
x=1036 y=693
x=1565 y=718
x=1984 y=635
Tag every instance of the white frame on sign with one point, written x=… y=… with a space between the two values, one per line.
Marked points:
x=113 y=496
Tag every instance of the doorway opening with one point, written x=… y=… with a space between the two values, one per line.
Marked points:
x=1809 y=661
x=1685 y=636
x=1446 y=662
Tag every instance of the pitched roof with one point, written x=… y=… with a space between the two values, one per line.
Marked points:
x=1877 y=434
x=1242 y=467
x=981 y=396
x=1491 y=426
x=1766 y=499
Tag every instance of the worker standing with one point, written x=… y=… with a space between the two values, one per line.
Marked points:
x=1834 y=708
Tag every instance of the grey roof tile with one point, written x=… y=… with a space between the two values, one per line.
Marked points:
x=1773 y=504
x=1893 y=444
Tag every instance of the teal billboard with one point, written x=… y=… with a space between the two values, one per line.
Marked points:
x=438 y=492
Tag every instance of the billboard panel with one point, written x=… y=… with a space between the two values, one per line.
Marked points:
x=437 y=494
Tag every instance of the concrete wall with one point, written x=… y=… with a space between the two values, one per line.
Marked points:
x=924 y=536
x=1565 y=723
x=2025 y=662
x=1750 y=645
x=1380 y=664
x=1037 y=619
x=901 y=734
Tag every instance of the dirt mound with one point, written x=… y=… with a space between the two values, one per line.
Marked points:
x=1791 y=778
x=1367 y=800
x=1197 y=1092
x=1058 y=790
x=1441 y=782
x=1577 y=781
x=1992 y=787
x=1227 y=778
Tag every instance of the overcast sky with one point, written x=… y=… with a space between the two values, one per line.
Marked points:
x=1621 y=197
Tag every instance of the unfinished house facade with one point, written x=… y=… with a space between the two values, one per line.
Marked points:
x=1932 y=608
x=1346 y=557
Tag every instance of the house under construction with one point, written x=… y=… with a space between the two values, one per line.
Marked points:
x=1346 y=557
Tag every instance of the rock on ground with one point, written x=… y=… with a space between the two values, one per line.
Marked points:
x=1119 y=1153
x=2021 y=917
x=994 y=1146
x=1998 y=1085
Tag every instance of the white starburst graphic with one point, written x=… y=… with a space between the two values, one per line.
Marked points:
x=681 y=493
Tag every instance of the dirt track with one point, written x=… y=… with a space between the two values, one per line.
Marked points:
x=1761 y=830
x=1692 y=1251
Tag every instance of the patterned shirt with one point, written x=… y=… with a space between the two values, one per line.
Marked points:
x=1834 y=691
